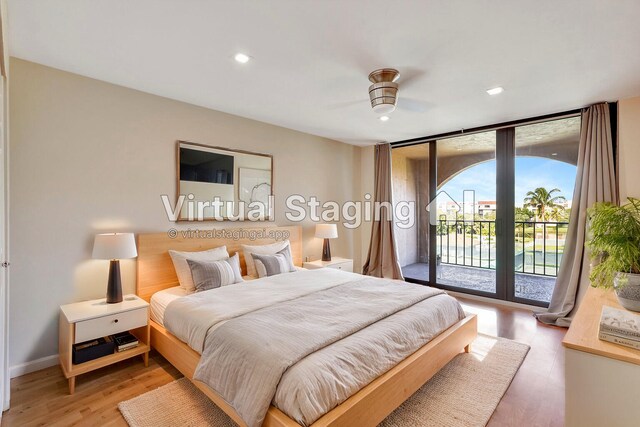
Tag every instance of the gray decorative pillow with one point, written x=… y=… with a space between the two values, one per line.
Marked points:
x=270 y=265
x=213 y=274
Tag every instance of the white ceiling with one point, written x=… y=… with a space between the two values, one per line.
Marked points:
x=311 y=58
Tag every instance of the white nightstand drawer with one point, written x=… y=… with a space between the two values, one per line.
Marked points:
x=108 y=325
x=345 y=266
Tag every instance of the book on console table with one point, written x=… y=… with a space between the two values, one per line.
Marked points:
x=620 y=327
x=619 y=340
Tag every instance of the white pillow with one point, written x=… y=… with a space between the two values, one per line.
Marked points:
x=270 y=249
x=182 y=267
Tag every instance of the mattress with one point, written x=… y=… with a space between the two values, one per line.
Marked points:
x=327 y=377
x=161 y=299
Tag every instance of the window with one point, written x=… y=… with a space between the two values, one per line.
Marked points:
x=501 y=199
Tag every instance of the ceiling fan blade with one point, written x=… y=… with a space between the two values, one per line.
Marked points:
x=410 y=76
x=347 y=104
x=412 y=105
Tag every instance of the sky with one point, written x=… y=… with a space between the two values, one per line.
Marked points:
x=531 y=173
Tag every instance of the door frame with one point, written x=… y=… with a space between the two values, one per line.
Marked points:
x=5 y=380
x=505 y=209
x=5 y=388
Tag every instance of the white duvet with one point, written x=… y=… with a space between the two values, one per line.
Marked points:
x=324 y=379
x=190 y=318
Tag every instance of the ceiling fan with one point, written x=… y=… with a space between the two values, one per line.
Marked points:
x=383 y=92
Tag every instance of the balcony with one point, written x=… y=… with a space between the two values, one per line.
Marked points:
x=467 y=256
x=529 y=286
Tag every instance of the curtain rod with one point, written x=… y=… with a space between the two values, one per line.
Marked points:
x=531 y=120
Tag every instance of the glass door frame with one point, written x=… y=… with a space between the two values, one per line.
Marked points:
x=503 y=169
x=505 y=206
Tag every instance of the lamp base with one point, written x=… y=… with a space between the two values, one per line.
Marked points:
x=114 y=286
x=326 y=251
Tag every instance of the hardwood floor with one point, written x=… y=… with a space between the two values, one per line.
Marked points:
x=535 y=398
x=536 y=395
x=42 y=398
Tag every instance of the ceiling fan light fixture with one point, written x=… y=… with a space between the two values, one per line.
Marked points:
x=383 y=93
x=383 y=108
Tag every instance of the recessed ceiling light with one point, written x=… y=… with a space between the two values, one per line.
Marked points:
x=242 y=58
x=554 y=154
x=384 y=118
x=495 y=90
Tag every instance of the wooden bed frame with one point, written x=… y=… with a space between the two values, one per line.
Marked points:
x=368 y=407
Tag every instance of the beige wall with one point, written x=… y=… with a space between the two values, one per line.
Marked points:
x=629 y=146
x=89 y=157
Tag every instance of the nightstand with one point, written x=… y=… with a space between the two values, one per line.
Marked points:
x=343 y=264
x=88 y=320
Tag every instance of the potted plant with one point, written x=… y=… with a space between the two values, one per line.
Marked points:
x=614 y=240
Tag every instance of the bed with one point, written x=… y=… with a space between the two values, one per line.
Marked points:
x=368 y=406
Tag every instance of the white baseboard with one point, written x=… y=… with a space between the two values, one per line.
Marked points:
x=32 y=366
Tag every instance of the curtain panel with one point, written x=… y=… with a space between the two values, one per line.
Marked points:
x=595 y=182
x=382 y=259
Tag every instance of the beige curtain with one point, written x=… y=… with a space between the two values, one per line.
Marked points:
x=595 y=182
x=382 y=260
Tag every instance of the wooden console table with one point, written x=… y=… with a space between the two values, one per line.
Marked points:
x=602 y=378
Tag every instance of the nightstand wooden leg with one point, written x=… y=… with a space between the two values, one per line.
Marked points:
x=145 y=357
x=72 y=385
x=467 y=348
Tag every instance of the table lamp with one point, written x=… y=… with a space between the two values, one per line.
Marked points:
x=326 y=232
x=114 y=247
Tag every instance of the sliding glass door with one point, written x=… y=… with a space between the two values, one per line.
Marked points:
x=466 y=206
x=546 y=155
x=492 y=209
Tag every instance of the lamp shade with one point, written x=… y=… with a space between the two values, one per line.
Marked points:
x=114 y=246
x=326 y=231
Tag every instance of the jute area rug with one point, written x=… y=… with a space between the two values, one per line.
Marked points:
x=463 y=394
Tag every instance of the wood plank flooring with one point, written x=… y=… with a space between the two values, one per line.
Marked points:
x=536 y=395
x=535 y=398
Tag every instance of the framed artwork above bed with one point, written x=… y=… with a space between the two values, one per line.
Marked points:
x=254 y=185
x=217 y=184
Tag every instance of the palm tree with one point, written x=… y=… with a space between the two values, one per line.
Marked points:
x=545 y=205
